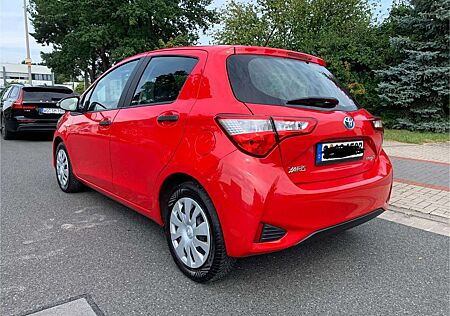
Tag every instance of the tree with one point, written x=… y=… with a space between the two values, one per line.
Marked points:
x=88 y=36
x=79 y=88
x=415 y=90
x=342 y=32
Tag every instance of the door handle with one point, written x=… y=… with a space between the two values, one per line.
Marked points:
x=105 y=123
x=168 y=118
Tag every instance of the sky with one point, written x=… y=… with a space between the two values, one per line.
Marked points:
x=12 y=31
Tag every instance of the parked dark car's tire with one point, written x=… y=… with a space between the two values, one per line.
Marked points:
x=194 y=234
x=64 y=175
x=6 y=135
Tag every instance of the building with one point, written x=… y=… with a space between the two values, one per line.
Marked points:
x=18 y=73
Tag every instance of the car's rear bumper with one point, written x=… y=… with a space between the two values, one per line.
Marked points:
x=23 y=124
x=256 y=194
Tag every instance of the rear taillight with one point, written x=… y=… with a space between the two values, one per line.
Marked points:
x=17 y=105
x=291 y=126
x=257 y=135
x=377 y=123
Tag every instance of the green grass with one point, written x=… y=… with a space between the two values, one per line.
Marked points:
x=405 y=136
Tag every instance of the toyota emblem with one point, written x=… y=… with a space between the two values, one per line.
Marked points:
x=349 y=123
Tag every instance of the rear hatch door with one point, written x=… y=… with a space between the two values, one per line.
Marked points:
x=41 y=102
x=335 y=148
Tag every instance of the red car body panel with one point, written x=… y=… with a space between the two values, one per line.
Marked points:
x=87 y=136
x=135 y=155
x=150 y=144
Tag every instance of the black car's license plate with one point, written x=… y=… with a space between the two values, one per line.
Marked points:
x=339 y=151
x=51 y=111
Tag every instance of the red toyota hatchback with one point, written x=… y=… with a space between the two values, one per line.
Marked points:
x=235 y=150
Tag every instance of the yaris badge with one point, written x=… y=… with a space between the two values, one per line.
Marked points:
x=297 y=169
x=349 y=123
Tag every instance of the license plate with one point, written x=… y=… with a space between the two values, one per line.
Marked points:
x=51 y=111
x=339 y=151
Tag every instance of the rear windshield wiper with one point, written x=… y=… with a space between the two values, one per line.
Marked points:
x=320 y=102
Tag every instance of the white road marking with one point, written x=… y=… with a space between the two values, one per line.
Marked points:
x=79 y=307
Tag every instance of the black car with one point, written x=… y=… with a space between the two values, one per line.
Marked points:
x=26 y=108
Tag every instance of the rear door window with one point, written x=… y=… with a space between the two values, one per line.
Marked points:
x=163 y=80
x=276 y=80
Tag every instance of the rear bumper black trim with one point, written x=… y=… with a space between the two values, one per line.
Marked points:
x=23 y=124
x=342 y=226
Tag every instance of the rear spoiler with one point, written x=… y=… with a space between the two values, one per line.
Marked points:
x=256 y=50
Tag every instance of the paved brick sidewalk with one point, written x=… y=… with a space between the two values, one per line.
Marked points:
x=421 y=201
x=421 y=180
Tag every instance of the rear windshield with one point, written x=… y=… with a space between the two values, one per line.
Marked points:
x=276 y=80
x=45 y=94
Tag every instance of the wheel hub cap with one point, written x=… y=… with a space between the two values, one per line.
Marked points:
x=62 y=167
x=190 y=233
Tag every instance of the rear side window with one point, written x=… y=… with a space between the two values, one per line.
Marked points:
x=276 y=80
x=162 y=80
x=6 y=93
x=14 y=94
x=47 y=95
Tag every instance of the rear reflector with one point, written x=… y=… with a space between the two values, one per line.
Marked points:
x=257 y=135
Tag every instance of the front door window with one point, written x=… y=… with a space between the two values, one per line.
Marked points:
x=108 y=90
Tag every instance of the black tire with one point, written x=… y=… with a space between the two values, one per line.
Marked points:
x=218 y=263
x=72 y=185
x=6 y=135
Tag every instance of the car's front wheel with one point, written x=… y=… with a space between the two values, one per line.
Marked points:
x=66 y=180
x=194 y=234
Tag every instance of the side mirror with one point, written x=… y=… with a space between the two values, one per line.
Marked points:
x=69 y=103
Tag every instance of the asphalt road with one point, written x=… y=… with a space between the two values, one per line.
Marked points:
x=55 y=246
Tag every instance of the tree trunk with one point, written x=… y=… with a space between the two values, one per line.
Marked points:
x=86 y=78
x=105 y=60
x=93 y=70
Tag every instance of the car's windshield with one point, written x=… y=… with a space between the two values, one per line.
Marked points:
x=281 y=81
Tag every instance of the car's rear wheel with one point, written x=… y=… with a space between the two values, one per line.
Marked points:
x=194 y=234
x=7 y=135
x=66 y=180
